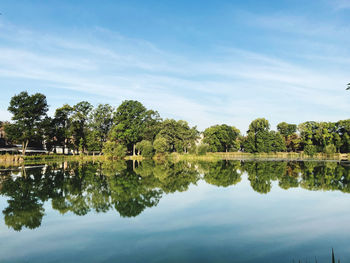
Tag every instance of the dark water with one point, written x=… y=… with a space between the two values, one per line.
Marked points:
x=184 y=212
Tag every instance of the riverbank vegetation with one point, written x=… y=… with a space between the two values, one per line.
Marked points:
x=132 y=129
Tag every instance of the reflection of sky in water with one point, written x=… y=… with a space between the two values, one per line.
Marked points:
x=204 y=224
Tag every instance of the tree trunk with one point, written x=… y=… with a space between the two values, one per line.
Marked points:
x=133 y=150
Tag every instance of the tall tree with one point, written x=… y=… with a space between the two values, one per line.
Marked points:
x=101 y=123
x=178 y=134
x=62 y=123
x=132 y=121
x=286 y=129
x=28 y=114
x=79 y=123
x=258 y=136
x=221 y=138
x=261 y=139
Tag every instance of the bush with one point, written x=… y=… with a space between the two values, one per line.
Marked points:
x=202 y=149
x=192 y=149
x=310 y=150
x=114 y=150
x=145 y=148
x=330 y=149
x=161 y=145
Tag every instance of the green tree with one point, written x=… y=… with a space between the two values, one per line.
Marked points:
x=145 y=148
x=113 y=150
x=258 y=138
x=337 y=142
x=179 y=136
x=101 y=123
x=28 y=114
x=132 y=120
x=286 y=129
x=307 y=131
x=277 y=142
x=293 y=142
x=310 y=150
x=261 y=139
x=330 y=149
x=79 y=123
x=160 y=145
x=93 y=143
x=222 y=138
x=61 y=123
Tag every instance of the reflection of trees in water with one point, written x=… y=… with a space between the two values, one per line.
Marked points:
x=260 y=174
x=222 y=173
x=100 y=187
x=308 y=175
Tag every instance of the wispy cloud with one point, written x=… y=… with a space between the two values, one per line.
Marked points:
x=230 y=86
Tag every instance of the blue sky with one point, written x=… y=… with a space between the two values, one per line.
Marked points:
x=208 y=62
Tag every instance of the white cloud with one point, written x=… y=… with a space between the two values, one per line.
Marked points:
x=233 y=88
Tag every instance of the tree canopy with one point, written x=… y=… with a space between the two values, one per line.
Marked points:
x=28 y=113
x=221 y=138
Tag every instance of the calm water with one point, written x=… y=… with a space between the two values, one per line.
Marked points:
x=184 y=212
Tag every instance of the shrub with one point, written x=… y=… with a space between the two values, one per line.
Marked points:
x=310 y=150
x=330 y=149
x=193 y=149
x=114 y=150
x=202 y=149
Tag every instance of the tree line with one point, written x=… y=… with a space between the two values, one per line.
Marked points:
x=131 y=128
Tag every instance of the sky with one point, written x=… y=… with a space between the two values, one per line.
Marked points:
x=207 y=62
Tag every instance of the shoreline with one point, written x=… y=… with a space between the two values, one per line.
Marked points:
x=8 y=160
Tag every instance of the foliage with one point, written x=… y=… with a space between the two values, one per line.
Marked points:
x=112 y=150
x=260 y=139
x=286 y=129
x=80 y=127
x=330 y=149
x=61 y=123
x=130 y=119
x=178 y=135
x=145 y=148
x=161 y=145
x=78 y=124
x=93 y=143
x=101 y=123
x=310 y=150
x=221 y=138
x=28 y=113
x=202 y=149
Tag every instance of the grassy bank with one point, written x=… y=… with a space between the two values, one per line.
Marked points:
x=11 y=160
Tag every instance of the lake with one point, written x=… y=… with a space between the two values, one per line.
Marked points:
x=226 y=211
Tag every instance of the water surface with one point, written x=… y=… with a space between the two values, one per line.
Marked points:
x=227 y=211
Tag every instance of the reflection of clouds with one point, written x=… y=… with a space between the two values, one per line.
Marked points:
x=247 y=223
